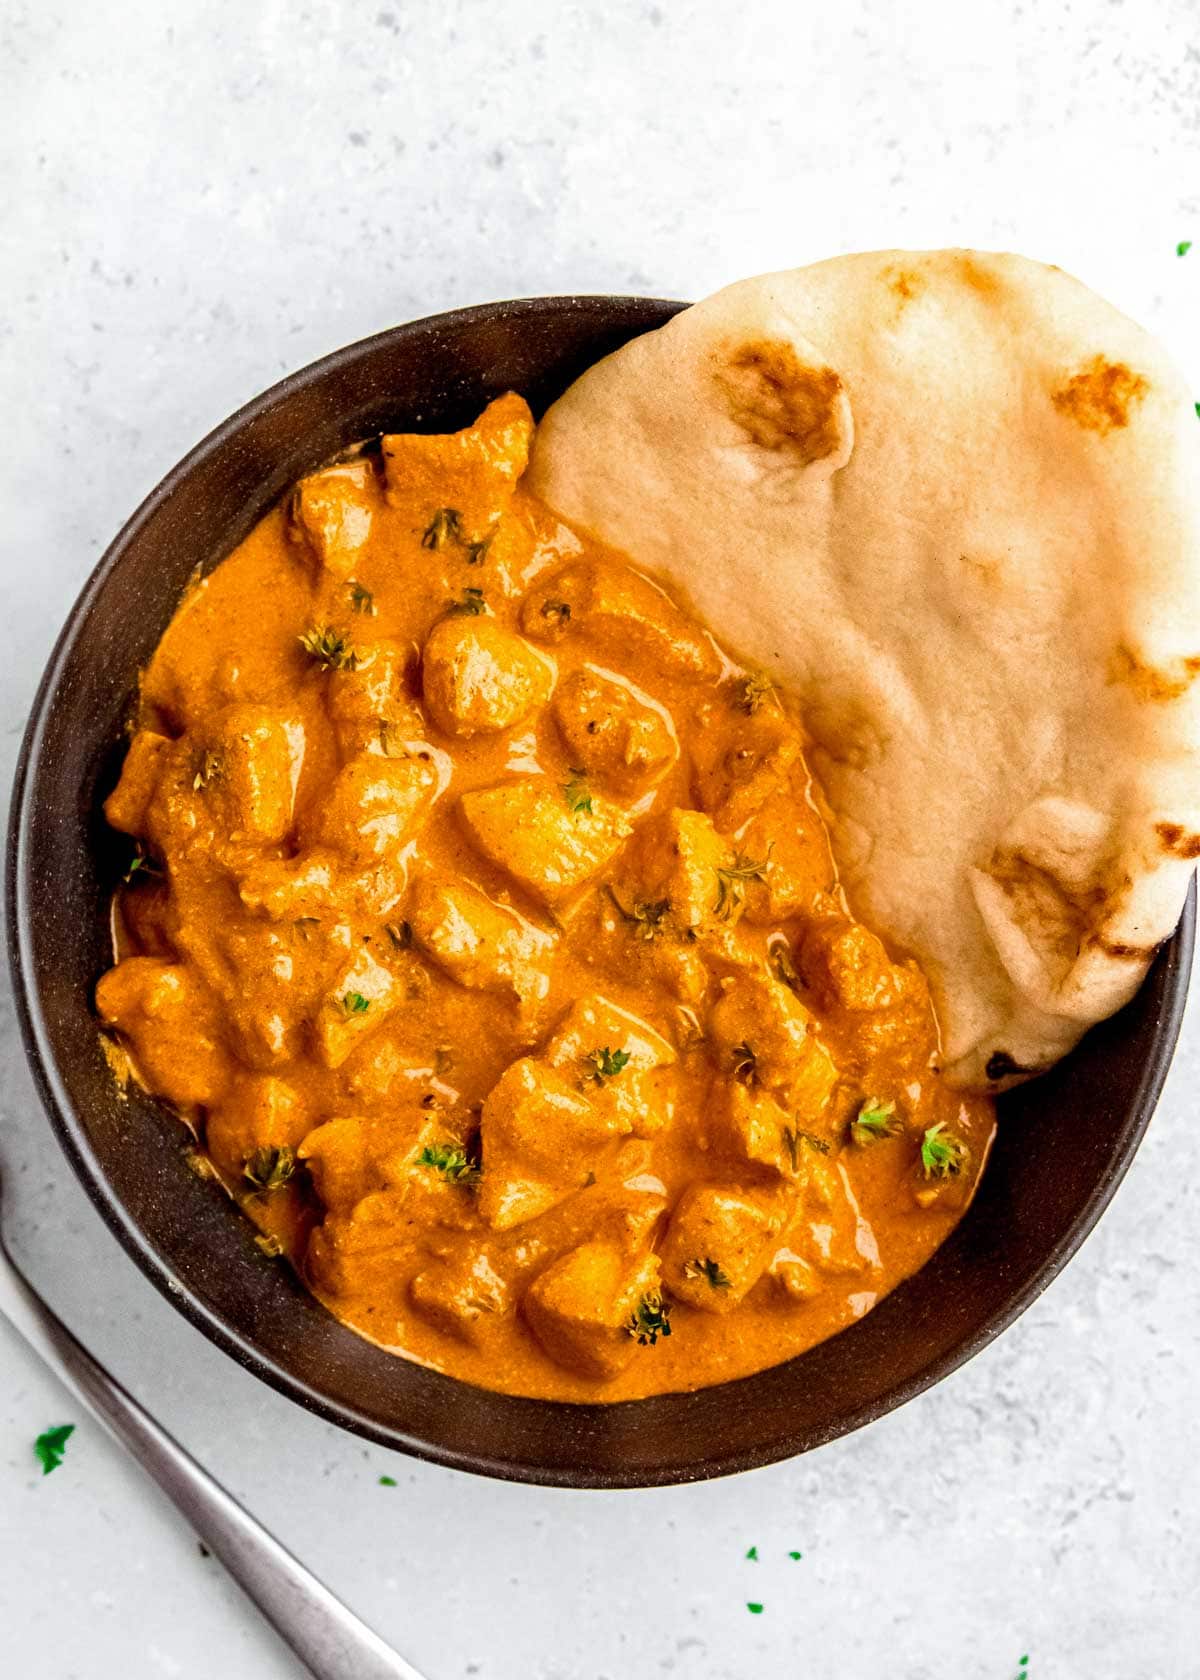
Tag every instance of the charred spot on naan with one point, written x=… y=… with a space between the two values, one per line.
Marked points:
x=1000 y=1065
x=904 y=284
x=1121 y=951
x=1176 y=840
x=785 y=405
x=1100 y=396
x=976 y=275
x=1149 y=682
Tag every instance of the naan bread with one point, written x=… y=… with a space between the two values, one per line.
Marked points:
x=952 y=500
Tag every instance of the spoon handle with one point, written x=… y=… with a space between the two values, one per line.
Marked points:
x=326 y=1636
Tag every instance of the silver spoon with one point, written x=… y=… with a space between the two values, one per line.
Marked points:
x=328 y=1638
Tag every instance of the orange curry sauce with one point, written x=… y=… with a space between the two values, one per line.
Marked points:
x=484 y=926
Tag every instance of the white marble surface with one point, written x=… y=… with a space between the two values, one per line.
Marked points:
x=199 y=197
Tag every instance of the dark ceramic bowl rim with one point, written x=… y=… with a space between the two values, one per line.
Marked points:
x=72 y=1133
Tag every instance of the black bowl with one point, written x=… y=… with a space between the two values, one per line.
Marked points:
x=1064 y=1141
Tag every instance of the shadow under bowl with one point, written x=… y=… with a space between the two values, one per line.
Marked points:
x=1064 y=1141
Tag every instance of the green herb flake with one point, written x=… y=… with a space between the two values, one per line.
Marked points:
x=875 y=1119
x=142 y=868
x=744 y=1061
x=269 y=1168
x=752 y=1554
x=793 y=1137
x=795 y=1556
x=782 y=967
x=709 y=1270
x=51 y=1445
x=1181 y=250
x=753 y=692
x=754 y=1609
x=942 y=1154
x=388 y=1481
x=646 y=917
x=731 y=882
x=391 y=743
x=210 y=769
x=329 y=648
x=651 y=1318
x=444 y=527
x=354 y=1003
x=361 y=598
x=577 y=793
x=477 y=552
x=471 y=605
x=452 y=1161
x=605 y=1064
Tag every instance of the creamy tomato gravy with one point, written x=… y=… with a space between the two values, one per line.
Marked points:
x=484 y=926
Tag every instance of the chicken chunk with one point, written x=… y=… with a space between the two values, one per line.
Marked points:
x=529 y=828
x=375 y=804
x=749 y=1125
x=685 y=864
x=763 y=1033
x=128 y=803
x=849 y=968
x=800 y=878
x=248 y=769
x=331 y=511
x=344 y=1158
x=480 y=678
x=540 y=1135
x=827 y=1235
x=172 y=1025
x=613 y=730
x=360 y=997
x=481 y=944
x=368 y=1250
x=582 y=1308
x=458 y=1295
x=261 y=1111
x=370 y=706
x=742 y=759
x=620 y=1062
x=618 y=609
x=477 y=468
x=717 y=1247
x=251 y=966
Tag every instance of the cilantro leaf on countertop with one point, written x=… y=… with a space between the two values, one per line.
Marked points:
x=51 y=1445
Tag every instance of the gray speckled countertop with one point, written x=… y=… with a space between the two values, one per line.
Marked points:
x=200 y=197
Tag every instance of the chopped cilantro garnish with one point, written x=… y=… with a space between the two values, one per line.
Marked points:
x=942 y=1154
x=269 y=1168
x=51 y=1445
x=605 y=1064
x=452 y=1161
x=875 y=1119
x=577 y=792
x=651 y=1319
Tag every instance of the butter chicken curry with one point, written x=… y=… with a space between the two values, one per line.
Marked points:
x=483 y=926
